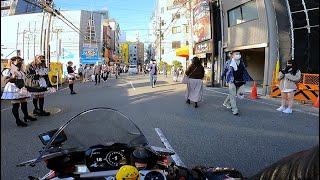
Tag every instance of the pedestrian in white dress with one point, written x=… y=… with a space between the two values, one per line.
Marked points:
x=288 y=77
x=16 y=91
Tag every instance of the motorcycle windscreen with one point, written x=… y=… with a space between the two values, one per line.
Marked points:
x=98 y=126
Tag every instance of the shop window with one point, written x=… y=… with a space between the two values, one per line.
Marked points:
x=245 y=12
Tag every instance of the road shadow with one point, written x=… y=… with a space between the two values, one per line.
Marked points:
x=145 y=84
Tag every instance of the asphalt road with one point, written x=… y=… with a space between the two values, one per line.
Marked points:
x=209 y=135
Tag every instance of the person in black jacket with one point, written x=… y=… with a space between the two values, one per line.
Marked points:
x=194 y=91
x=71 y=77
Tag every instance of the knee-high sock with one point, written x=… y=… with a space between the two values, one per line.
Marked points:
x=35 y=103
x=41 y=103
x=24 y=108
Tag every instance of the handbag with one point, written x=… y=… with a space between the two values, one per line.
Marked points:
x=185 y=78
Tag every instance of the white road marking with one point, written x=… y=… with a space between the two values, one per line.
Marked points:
x=132 y=86
x=166 y=143
x=265 y=103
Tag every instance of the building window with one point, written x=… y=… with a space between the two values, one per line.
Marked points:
x=176 y=30
x=186 y=28
x=176 y=44
x=175 y=16
x=245 y=12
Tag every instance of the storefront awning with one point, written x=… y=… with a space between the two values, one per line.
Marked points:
x=183 y=51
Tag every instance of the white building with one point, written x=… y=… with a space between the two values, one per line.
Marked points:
x=175 y=19
x=23 y=32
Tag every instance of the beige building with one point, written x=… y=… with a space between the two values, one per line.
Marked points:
x=272 y=30
x=245 y=28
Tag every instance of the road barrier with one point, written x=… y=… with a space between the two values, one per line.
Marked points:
x=308 y=88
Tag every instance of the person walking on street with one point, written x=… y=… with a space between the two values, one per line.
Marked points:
x=97 y=72
x=236 y=77
x=194 y=91
x=164 y=69
x=288 y=77
x=153 y=73
x=81 y=72
x=37 y=83
x=104 y=69
x=16 y=91
x=71 y=76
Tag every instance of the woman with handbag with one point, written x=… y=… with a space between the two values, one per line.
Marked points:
x=37 y=83
x=71 y=77
x=193 y=78
x=288 y=77
x=16 y=92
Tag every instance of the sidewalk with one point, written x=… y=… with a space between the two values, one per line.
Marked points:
x=276 y=102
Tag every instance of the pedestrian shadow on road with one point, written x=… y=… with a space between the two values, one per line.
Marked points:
x=145 y=84
x=150 y=96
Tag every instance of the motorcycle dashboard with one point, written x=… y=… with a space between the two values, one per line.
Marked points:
x=105 y=158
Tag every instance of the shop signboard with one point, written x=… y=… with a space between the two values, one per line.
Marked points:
x=201 y=20
x=203 y=47
x=89 y=55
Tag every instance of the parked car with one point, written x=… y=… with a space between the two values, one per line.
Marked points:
x=133 y=69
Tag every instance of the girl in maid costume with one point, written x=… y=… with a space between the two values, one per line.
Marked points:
x=16 y=91
x=38 y=84
x=71 y=76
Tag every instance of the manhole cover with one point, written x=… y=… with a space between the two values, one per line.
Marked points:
x=52 y=110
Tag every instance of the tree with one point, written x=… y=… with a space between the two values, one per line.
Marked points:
x=176 y=64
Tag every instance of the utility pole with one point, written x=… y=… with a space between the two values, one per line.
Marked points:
x=58 y=43
x=160 y=38
x=190 y=33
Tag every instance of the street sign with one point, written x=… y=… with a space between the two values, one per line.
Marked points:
x=89 y=55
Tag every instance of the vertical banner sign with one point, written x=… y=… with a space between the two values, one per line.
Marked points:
x=201 y=20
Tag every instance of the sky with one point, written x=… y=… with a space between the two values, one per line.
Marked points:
x=133 y=16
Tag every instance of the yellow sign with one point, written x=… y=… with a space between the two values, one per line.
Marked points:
x=55 y=71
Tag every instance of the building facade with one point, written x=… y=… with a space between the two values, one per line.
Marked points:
x=172 y=19
x=133 y=54
x=15 y=7
x=268 y=31
x=115 y=40
x=140 y=53
x=23 y=33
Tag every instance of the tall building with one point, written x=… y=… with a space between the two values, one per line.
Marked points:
x=107 y=41
x=172 y=19
x=133 y=54
x=15 y=7
x=115 y=39
x=140 y=53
